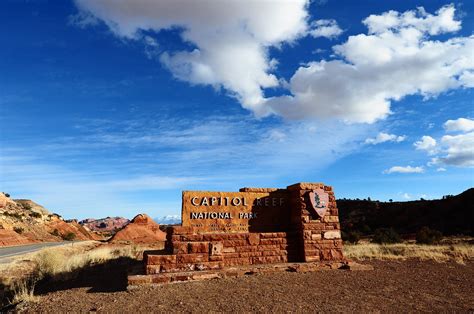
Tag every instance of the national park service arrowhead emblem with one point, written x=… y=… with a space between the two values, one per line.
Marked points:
x=319 y=201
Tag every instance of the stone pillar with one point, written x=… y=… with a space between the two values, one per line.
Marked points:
x=318 y=228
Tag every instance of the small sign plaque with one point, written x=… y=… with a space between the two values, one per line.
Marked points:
x=319 y=201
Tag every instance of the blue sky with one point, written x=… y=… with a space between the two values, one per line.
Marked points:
x=115 y=107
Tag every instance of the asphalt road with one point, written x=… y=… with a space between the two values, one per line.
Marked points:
x=11 y=251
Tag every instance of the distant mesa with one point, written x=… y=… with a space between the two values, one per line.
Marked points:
x=106 y=226
x=142 y=229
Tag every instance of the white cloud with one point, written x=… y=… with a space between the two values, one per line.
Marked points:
x=452 y=150
x=441 y=169
x=407 y=169
x=427 y=143
x=325 y=28
x=406 y=196
x=385 y=137
x=231 y=38
x=458 y=150
x=395 y=59
x=461 y=124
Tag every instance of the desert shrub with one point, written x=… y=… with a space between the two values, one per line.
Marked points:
x=7 y=195
x=18 y=230
x=14 y=215
x=386 y=235
x=55 y=233
x=35 y=215
x=428 y=236
x=26 y=206
x=365 y=229
x=351 y=237
x=23 y=291
x=69 y=236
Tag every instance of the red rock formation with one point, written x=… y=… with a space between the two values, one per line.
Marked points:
x=108 y=225
x=10 y=237
x=142 y=229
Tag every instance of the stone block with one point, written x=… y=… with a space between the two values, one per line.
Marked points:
x=247 y=248
x=316 y=236
x=160 y=279
x=230 y=255
x=138 y=280
x=228 y=250
x=177 y=230
x=180 y=247
x=216 y=248
x=330 y=219
x=215 y=258
x=308 y=186
x=152 y=269
x=198 y=247
x=192 y=237
x=233 y=243
x=336 y=254
x=335 y=234
x=312 y=258
x=191 y=258
x=254 y=239
x=250 y=254
x=159 y=259
x=314 y=226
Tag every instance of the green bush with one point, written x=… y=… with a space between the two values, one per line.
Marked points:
x=69 y=237
x=428 y=236
x=18 y=230
x=55 y=233
x=386 y=235
x=351 y=237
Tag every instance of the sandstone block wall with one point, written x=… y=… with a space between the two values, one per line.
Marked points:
x=306 y=238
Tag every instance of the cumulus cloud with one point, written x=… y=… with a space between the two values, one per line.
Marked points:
x=229 y=48
x=396 y=58
x=458 y=150
x=427 y=143
x=385 y=137
x=452 y=150
x=231 y=38
x=407 y=169
x=461 y=124
x=325 y=28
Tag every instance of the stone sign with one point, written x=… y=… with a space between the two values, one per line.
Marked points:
x=235 y=211
x=224 y=230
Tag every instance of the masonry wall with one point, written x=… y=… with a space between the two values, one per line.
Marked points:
x=307 y=238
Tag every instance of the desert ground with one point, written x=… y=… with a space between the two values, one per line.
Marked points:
x=438 y=278
x=394 y=286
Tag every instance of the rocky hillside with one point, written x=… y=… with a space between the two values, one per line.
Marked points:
x=106 y=226
x=452 y=215
x=142 y=229
x=24 y=221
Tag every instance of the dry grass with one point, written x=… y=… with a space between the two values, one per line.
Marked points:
x=62 y=263
x=51 y=262
x=439 y=253
x=23 y=291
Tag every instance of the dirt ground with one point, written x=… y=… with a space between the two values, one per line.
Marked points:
x=394 y=286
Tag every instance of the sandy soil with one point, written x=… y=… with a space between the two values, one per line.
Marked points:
x=393 y=286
